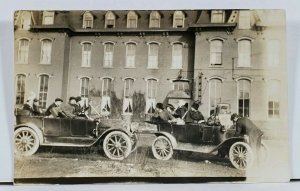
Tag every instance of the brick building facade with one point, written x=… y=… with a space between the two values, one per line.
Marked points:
x=126 y=61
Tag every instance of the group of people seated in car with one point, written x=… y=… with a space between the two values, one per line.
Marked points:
x=75 y=108
x=179 y=115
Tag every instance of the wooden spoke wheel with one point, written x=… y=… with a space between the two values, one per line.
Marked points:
x=162 y=148
x=241 y=155
x=117 y=145
x=26 y=141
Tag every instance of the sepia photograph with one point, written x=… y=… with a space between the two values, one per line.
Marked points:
x=151 y=96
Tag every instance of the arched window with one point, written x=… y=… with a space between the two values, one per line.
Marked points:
x=216 y=48
x=86 y=54
x=43 y=90
x=178 y=19
x=153 y=55
x=151 y=95
x=106 y=95
x=108 y=55
x=130 y=55
x=20 y=88
x=154 y=19
x=23 y=50
x=244 y=96
x=215 y=93
x=177 y=57
x=26 y=20
x=84 y=87
x=274 y=99
x=132 y=19
x=46 y=49
x=110 y=20
x=244 y=53
x=88 y=20
x=128 y=93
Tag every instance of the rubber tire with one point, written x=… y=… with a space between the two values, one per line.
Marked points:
x=154 y=152
x=126 y=139
x=250 y=154
x=36 y=143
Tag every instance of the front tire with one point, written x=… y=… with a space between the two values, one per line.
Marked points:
x=117 y=145
x=241 y=155
x=26 y=141
x=162 y=148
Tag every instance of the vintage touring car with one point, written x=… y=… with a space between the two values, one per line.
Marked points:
x=204 y=138
x=31 y=132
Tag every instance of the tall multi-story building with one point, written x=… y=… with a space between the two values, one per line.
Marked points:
x=124 y=62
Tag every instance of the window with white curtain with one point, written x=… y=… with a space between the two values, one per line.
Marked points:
x=130 y=55
x=244 y=96
x=151 y=95
x=128 y=93
x=177 y=57
x=106 y=95
x=43 y=90
x=20 y=89
x=154 y=19
x=108 y=55
x=244 y=53
x=216 y=49
x=23 y=51
x=86 y=54
x=46 y=48
x=153 y=55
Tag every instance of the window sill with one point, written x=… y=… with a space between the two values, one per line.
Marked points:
x=152 y=68
x=130 y=67
x=85 y=67
x=44 y=64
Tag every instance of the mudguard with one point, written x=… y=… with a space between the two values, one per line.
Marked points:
x=33 y=127
x=170 y=137
x=228 y=143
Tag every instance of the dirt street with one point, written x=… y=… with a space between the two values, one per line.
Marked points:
x=90 y=162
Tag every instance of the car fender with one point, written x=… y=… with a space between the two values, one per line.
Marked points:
x=33 y=127
x=228 y=143
x=170 y=137
x=102 y=136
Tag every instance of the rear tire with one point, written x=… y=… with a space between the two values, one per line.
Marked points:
x=162 y=148
x=26 y=141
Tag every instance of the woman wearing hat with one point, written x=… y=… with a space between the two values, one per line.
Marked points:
x=193 y=115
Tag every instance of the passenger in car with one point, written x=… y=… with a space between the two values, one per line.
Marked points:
x=162 y=114
x=194 y=115
x=37 y=111
x=27 y=107
x=69 y=108
x=54 y=110
x=181 y=109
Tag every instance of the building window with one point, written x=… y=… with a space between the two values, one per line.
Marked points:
x=217 y=16
x=108 y=55
x=23 y=51
x=244 y=20
x=46 y=49
x=20 y=91
x=273 y=53
x=132 y=19
x=106 y=96
x=215 y=93
x=26 y=20
x=244 y=87
x=273 y=98
x=154 y=20
x=153 y=55
x=84 y=89
x=86 y=54
x=216 y=48
x=110 y=20
x=130 y=55
x=177 y=56
x=127 y=102
x=181 y=85
x=43 y=90
x=48 y=18
x=178 y=19
x=151 y=95
x=88 y=20
x=244 y=53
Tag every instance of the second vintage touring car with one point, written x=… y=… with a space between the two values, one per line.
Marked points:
x=31 y=132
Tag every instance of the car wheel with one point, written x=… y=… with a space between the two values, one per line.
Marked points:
x=241 y=155
x=117 y=145
x=26 y=141
x=162 y=148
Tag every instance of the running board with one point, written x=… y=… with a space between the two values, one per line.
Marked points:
x=65 y=145
x=195 y=147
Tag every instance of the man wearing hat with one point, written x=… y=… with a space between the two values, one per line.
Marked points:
x=69 y=108
x=161 y=114
x=193 y=115
x=37 y=111
x=54 y=109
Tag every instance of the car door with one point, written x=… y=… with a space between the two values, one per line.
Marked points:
x=179 y=132
x=193 y=133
